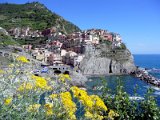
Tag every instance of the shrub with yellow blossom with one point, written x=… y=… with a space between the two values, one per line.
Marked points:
x=33 y=108
x=40 y=82
x=8 y=101
x=25 y=86
x=112 y=114
x=94 y=106
x=22 y=59
x=98 y=103
x=2 y=71
x=48 y=109
x=63 y=77
x=92 y=116
x=53 y=96
x=68 y=105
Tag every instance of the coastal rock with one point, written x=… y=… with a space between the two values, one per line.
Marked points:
x=103 y=60
x=78 y=79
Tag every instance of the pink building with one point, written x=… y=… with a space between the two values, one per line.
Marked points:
x=27 y=47
x=107 y=36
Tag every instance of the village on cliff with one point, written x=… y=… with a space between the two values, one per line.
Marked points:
x=61 y=48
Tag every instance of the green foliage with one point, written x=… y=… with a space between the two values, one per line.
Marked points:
x=35 y=15
x=21 y=41
x=107 y=42
x=131 y=109
x=123 y=46
x=6 y=40
x=32 y=41
x=148 y=107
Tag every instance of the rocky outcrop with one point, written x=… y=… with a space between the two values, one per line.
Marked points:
x=78 y=79
x=103 y=60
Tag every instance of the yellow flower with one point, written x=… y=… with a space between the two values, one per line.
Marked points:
x=40 y=82
x=19 y=96
x=80 y=94
x=2 y=71
x=69 y=105
x=87 y=101
x=93 y=104
x=112 y=114
x=25 y=86
x=7 y=101
x=22 y=59
x=98 y=103
x=72 y=117
x=11 y=77
x=67 y=76
x=17 y=71
x=94 y=116
x=9 y=71
x=98 y=117
x=63 y=77
x=48 y=105
x=88 y=115
x=53 y=96
x=66 y=95
x=48 y=108
x=84 y=99
x=49 y=112
x=48 y=88
x=11 y=65
x=33 y=108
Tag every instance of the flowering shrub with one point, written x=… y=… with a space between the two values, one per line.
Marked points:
x=7 y=101
x=26 y=96
x=22 y=59
x=93 y=105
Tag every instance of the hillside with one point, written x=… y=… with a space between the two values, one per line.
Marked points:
x=5 y=38
x=34 y=15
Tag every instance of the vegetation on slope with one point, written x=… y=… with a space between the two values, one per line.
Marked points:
x=6 y=40
x=35 y=15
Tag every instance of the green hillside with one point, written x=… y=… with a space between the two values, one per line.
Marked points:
x=35 y=15
x=6 y=39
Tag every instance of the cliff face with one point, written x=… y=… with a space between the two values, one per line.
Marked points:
x=103 y=60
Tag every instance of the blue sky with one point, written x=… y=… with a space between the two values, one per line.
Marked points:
x=138 y=21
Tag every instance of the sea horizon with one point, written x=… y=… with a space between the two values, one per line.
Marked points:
x=146 y=54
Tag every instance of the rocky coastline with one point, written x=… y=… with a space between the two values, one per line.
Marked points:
x=142 y=74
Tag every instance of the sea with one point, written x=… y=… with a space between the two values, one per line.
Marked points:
x=130 y=84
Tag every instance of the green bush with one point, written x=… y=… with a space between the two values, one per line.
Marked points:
x=107 y=42
x=131 y=109
x=6 y=40
x=123 y=46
